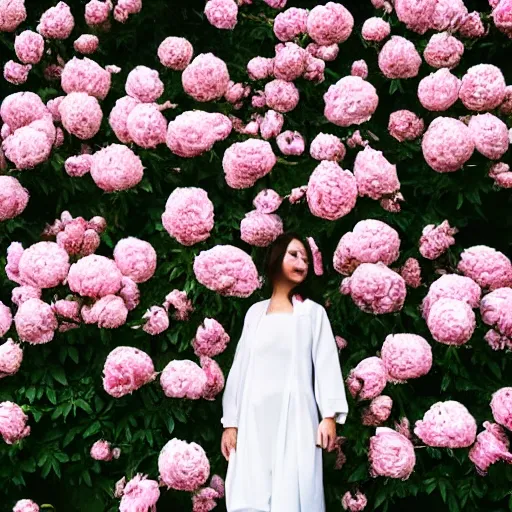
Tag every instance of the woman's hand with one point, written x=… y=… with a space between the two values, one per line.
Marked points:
x=228 y=441
x=326 y=434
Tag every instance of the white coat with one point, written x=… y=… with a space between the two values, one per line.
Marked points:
x=315 y=383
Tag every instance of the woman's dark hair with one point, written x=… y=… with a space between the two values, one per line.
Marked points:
x=274 y=260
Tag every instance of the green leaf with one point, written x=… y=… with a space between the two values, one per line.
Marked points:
x=31 y=394
x=170 y=424
x=50 y=393
x=452 y=503
x=73 y=354
x=442 y=489
x=93 y=429
x=87 y=478
x=61 y=456
x=83 y=405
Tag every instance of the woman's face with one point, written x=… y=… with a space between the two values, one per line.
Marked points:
x=295 y=262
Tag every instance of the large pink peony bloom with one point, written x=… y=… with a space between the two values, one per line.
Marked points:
x=349 y=101
x=211 y=339
x=135 y=259
x=378 y=411
x=13 y=422
x=368 y=379
x=406 y=356
x=405 y=125
x=12 y=14
x=331 y=192
x=81 y=115
x=290 y=24
x=144 y=84
x=327 y=147
x=436 y=240
x=29 y=47
x=146 y=125
x=183 y=466
x=491 y=445
x=21 y=108
x=488 y=267
x=451 y=321
x=443 y=51
x=11 y=356
x=496 y=310
x=370 y=241
x=194 y=132
x=109 y=312
x=56 y=22
x=214 y=378
x=289 y=62
x=227 y=270
x=439 y=91
x=330 y=23
x=490 y=135
x=206 y=78
x=139 y=494
x=447 y=425
x=126 y=369
x=501 y=405
x=94 y=276
x=260 y=229
x=416 y=14
x=183 y=379
x=375 y=29
x=375 y=288
x=447 y=144
x=398 y=58
x=222 y=14
x=85 y=75
x=188 y=215
x=175 y=53
x=391 y=454
x=13 y=198
x=35 y=322
x=26 y=506
x=246 y=162
x=482 y=88
x=281 y=95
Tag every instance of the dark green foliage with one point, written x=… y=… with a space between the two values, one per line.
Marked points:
x=60 y=385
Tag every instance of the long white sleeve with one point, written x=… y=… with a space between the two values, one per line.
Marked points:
x=329 y=386
x=230 y=409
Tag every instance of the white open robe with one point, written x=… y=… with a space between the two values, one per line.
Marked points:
x=315 y=379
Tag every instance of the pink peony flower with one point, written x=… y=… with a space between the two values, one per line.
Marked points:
x=491 y=445
x=259 y=68
x=331 y=192
x=370 y=241
x=13 y=422
x=447 y=144
x=204 y=500
x=21 y=294
x=179 y=301
x=116 y=167
x=12 y=14
x=57 y=22
x=29 y=47
x=130 y=293
x=406 y=356
x=109 y=312
x=78 y=166
x=451 y=321
x=375 y=29
x=214 y=378
x=175 y=53
x=497 y=341
x=22 y=108
x=281 y=95
x=482 y=88
x=354 y=502
x=126 y=369
x=290 y=24
x=35 y=322
x=391 y=454
x=436 y=240
x=97 y=12
x=501 y=405
x=211 y=339
x=260 y=229
x=368 y=379
x=156 y=320
x=144 y=84
x=496 y=310
x=183 y=466
x=417 y=15
x=359 y=68
x=349 y=101
x=25 y=506
x=443 y=51
x=315 y=69
x=447 y=425
x=81 y=115
x=11 y=356
x=94 y=276
x=378 y=411
x=246 y=162
x=330 y=23
x=13 y=198
x=194 y=132
x=439 y=91
x=375 y=288
x=411 y=272
x=375 y=175
x=490 y=135
x=501 y=17
x=271 y=124
x=27 y=147
x=188 y=215
x=405 y=125
x=489 y=268
x=139 y=494
x=326 y=53
x=222 y=13
x=291 y=143
x=267 y=201
x=227 y=270
x=471 y=26
x=297 y=194
x=85 y=75
x=101 y=450
x=135 y=259
x=119 y=116
x=5 y=319
x=289 y=62
x=206 y=78
x=86 y=44
x=183 y=379
x=399 y=58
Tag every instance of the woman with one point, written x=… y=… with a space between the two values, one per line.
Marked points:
x=286 y=364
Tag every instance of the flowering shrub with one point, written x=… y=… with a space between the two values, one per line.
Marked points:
x=151 y=150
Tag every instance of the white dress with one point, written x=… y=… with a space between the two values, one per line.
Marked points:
x=270 y=396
